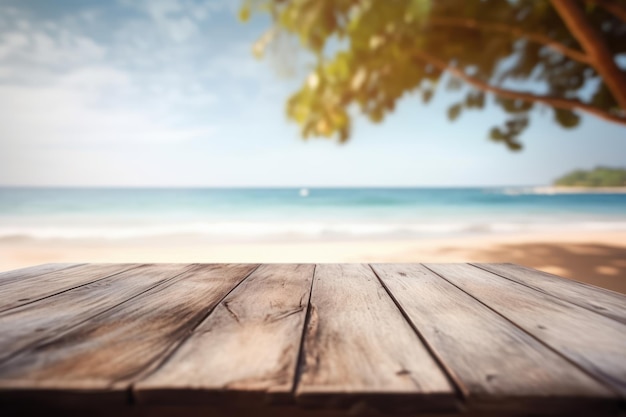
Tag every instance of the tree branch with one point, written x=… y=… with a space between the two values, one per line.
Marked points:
x=556 y=102
x=592 y=42
x=612 y=7
x=547 y=41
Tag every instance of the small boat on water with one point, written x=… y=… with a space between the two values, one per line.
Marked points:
x=304 y=192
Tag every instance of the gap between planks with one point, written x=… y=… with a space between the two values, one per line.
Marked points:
x=159 y=362
x=245 y=350
x=489 y=356
x=597 y=374
x=361 y=352
x=38 y=271
x=116 y=270
x=46 y=338
x=301 y=359
x=564 y=289
x=111 y=361
x=458 y=386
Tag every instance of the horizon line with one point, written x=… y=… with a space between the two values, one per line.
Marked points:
x=188 y=187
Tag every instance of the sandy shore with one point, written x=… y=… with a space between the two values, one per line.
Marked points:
x=557 y=189
x=595 y=258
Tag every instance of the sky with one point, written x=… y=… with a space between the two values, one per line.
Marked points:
x=167 y=93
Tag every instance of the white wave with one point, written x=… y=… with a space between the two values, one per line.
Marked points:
x=517 y=190
x=513 y=191
x=305 y=230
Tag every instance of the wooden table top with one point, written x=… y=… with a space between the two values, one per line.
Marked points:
x=458 y=339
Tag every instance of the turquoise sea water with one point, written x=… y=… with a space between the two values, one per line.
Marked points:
x=316 y=213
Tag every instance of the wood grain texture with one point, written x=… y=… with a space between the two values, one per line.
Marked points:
x=50 y=317
x=34 y=288
x=33 y=271
x=595 y=343
x=235 y=339
x=358 y=348
x=605 y=302
x=497 y=365
x=246 y=349
x=110 y=349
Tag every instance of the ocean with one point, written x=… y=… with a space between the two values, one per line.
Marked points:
x=259 y=214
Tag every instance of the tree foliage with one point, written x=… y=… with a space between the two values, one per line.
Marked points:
x=598 y=177
x=371 y=53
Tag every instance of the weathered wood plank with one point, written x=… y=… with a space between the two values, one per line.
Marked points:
x=504 y=341
x=46 y=319
x=34 y=288
x=247 y=348
x=594 y=342
x=105 y=353
x=33 y=271
x=359 y=351
x=497 y=365
x=605 y=302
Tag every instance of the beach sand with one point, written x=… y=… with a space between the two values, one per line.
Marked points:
x=597 y=258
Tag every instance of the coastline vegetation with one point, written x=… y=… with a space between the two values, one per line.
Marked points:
x=597 y=177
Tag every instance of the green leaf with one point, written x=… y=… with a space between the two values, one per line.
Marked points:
x=514 y=146
x=566 y=118
x=454 y=84
x=244 y=13
x=496 y=135
x=427 y=95
x=454 y=112
x=365 y=57
x=475 y=100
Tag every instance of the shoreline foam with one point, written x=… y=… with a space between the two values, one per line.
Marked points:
x=304 y=231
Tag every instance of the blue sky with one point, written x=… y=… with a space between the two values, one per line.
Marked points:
x=167 y=93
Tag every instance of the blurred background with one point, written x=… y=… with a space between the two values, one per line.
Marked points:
x=315 y=131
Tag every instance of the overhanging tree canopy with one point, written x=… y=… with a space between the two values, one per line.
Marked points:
x=564 y=51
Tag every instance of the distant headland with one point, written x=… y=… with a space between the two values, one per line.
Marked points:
x=597 y=180
x=597 y=177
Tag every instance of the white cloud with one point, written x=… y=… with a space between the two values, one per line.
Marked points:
x=60 y=48
x=150 y=82
x=177 y=19
x=166 y=15
x=180 y=29
x=59 y=87
x=94 y=78
x=64 y=115
x=11 y=42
